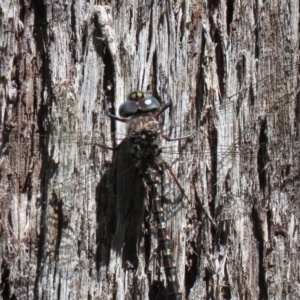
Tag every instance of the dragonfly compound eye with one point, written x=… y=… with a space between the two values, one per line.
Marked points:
x=128 y=108
x=148 y=104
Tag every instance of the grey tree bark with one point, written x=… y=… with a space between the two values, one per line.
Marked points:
x=75 y=218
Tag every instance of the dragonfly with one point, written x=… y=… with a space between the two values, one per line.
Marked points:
x=141 y=113
x=238 y=126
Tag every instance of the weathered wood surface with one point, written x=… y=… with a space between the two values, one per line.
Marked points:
x=73 y=219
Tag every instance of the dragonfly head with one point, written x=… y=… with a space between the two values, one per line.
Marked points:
x=138 y=103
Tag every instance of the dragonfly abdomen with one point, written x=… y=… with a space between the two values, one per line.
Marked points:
x=152 y=176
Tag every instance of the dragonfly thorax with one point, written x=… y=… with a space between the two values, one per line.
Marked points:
x=145 y=136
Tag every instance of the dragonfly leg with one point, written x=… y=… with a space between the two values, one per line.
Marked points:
x=105 y=147
x=162 y=110
x=183 y=192
x=174 y=177
x=116 y=118
x=167 y=138
x=110 y=114
x=112 y=148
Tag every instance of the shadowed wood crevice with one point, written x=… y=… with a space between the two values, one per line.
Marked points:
x=262 y=158
x=258 y=234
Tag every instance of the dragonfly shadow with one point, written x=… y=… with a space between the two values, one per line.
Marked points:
x=120 y=211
